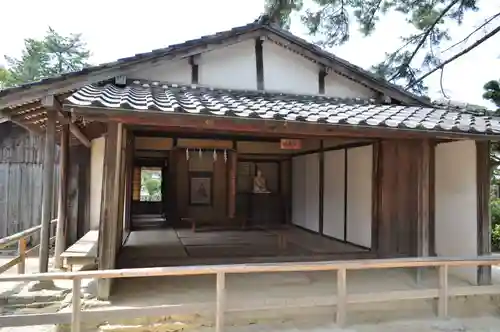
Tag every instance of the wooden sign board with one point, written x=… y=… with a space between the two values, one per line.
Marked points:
x=290 y=144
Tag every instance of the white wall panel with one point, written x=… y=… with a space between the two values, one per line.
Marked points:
x=305 y=194
x=288 y=72
x=178 y=71
x=231 y=67
x=333 y=196
x=359 y=195
x=96 y=174
x=298 y=191
x=312 y=192
x=456 y=203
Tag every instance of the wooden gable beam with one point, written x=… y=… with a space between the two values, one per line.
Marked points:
x=52 y=103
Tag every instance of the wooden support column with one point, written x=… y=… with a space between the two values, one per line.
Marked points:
x=121 y=202
x=62 y=214
x=424 y=188
x=483 y=209
x=48 y=189
x=231 y=206
x=108 y=223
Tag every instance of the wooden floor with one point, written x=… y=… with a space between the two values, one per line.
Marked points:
x=168 y=247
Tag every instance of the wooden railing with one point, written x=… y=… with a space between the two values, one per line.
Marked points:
x=21 y=240
x=341 y=300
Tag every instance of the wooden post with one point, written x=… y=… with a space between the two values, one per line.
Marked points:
x=443 y=292
x=232 y=184
x=341 y=297
x=424 y=186
x=220 y=302
x=48 y=189
x=483 y=209
x=62 y=213
x=76 y=306
x=21 y=248
x=108 y=224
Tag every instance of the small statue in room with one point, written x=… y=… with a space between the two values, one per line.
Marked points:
x=259 y=183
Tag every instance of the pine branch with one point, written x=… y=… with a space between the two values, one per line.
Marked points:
x=424 y=38
x=473 y=32
x=456 y=56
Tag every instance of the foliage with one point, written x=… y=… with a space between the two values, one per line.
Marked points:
x=492 y=92
x=153 y=186
x=495 y=222
x=330 y=21
x=53 y=55
x=495 y=238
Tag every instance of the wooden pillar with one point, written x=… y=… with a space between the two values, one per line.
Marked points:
x=48 y=189
x=62 y=215
x=424 y=188
x=231 y=205
x=121 y=202
x=108 y=223
x=483 y=208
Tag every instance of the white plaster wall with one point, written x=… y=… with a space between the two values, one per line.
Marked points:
x=229 y=67
x=333 y=195
x=456 y=203
x=288 y=72
x=96 y=174
x=178 y=71
x=339 y=86
x=234 y=67
x=305 y=191
x=359 y=195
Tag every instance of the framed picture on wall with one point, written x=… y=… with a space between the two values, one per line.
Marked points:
x=200 y=188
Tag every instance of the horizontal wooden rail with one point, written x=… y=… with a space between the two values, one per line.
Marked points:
x=20 y=238
x=8 y=240
x=340 y=300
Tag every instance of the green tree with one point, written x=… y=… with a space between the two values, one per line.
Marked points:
x=53 y=55
x=416 y=58
x=4 y=77
x=492 y=92
x=153 y=186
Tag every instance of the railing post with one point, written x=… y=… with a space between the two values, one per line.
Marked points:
x=76 y=306
x=443 y=292
x=21 y=249
x=341 y=297
x=220 y=302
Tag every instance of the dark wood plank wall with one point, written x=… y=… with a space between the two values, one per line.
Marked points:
x=399 y=201
x=21 y=157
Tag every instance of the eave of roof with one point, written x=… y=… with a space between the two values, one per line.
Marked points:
x=243 y=104
x=70 y=81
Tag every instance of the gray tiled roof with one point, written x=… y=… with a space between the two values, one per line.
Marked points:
x=279 y=106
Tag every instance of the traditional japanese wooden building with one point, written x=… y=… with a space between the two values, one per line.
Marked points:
x=257 y=129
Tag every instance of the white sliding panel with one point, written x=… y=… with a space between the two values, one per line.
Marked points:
x=456 y=203
x=334 y=199
x=359 y=195
x=305 y=191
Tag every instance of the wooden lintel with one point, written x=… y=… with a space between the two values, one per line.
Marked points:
x=279 y=128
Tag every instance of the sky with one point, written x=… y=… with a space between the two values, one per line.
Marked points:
x=114 y=29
